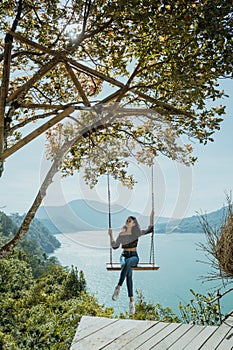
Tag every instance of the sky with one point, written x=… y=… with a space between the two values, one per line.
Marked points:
x=179 y=191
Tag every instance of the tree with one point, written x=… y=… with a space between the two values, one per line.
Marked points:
x=219 y=245
x=129 y=84
x=74 y=284
x=7 y=228
x=148 y=311
x=201 y=310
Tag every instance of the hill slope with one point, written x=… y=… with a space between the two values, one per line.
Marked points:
x=39 y=233
x=192 y=224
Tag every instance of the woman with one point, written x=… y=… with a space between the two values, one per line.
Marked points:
x=128 y=239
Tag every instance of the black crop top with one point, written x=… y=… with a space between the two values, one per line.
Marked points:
x=129 y=240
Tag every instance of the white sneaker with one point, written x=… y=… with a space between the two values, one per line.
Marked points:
x=131 y=308
x=115 y=294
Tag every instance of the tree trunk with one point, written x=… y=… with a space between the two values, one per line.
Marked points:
x=4 y=91
x=23 y=229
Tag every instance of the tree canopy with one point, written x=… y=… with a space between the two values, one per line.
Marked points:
x=158 y=58
x=128 y=79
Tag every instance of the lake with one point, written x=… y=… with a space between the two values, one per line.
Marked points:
x=176 y=254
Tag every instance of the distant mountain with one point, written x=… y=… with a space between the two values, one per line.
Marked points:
x=82 y=215
x=192 y=224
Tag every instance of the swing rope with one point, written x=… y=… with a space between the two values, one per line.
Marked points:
x=152 y=250
x=109 y=215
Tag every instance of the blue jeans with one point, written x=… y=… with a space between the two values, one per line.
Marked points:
x=127 y=260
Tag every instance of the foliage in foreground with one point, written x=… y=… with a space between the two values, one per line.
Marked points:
x=44 y=312
x=200 y=310
x=148 y=311
x=43 y=302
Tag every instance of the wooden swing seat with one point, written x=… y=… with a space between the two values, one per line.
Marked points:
x=141 y=266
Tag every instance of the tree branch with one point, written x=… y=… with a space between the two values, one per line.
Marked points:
x=23 y=229
x=78 y=85
x=23 y=89
x=29 y=42
x=86 y=14
x=164 y=108
x=126 y=88
x=43 y=106
x=36 y=133
x=98 y=30
x=29 y=120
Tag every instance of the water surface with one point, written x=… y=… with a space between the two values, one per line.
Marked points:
x=176 y=254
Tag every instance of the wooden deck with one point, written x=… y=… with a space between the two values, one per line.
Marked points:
x=95 y=333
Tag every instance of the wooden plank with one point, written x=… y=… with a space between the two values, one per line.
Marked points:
x=139 y=328
x=186 y=338
x=142 y=338
x=104 y=336
x=218 y=336
x=203 y=336
x=158 y=337
x=117 y=267
x=89 y=325
x=229 y=321
x=227 y=343
x=95 y=333
x=172 y=337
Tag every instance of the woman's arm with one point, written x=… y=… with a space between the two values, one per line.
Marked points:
x=114 y=244
x=151 y=226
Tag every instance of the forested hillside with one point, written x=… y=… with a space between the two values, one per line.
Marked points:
x=38 y=233
x=41 y=301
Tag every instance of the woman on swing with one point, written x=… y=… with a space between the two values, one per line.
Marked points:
x=128 y=239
